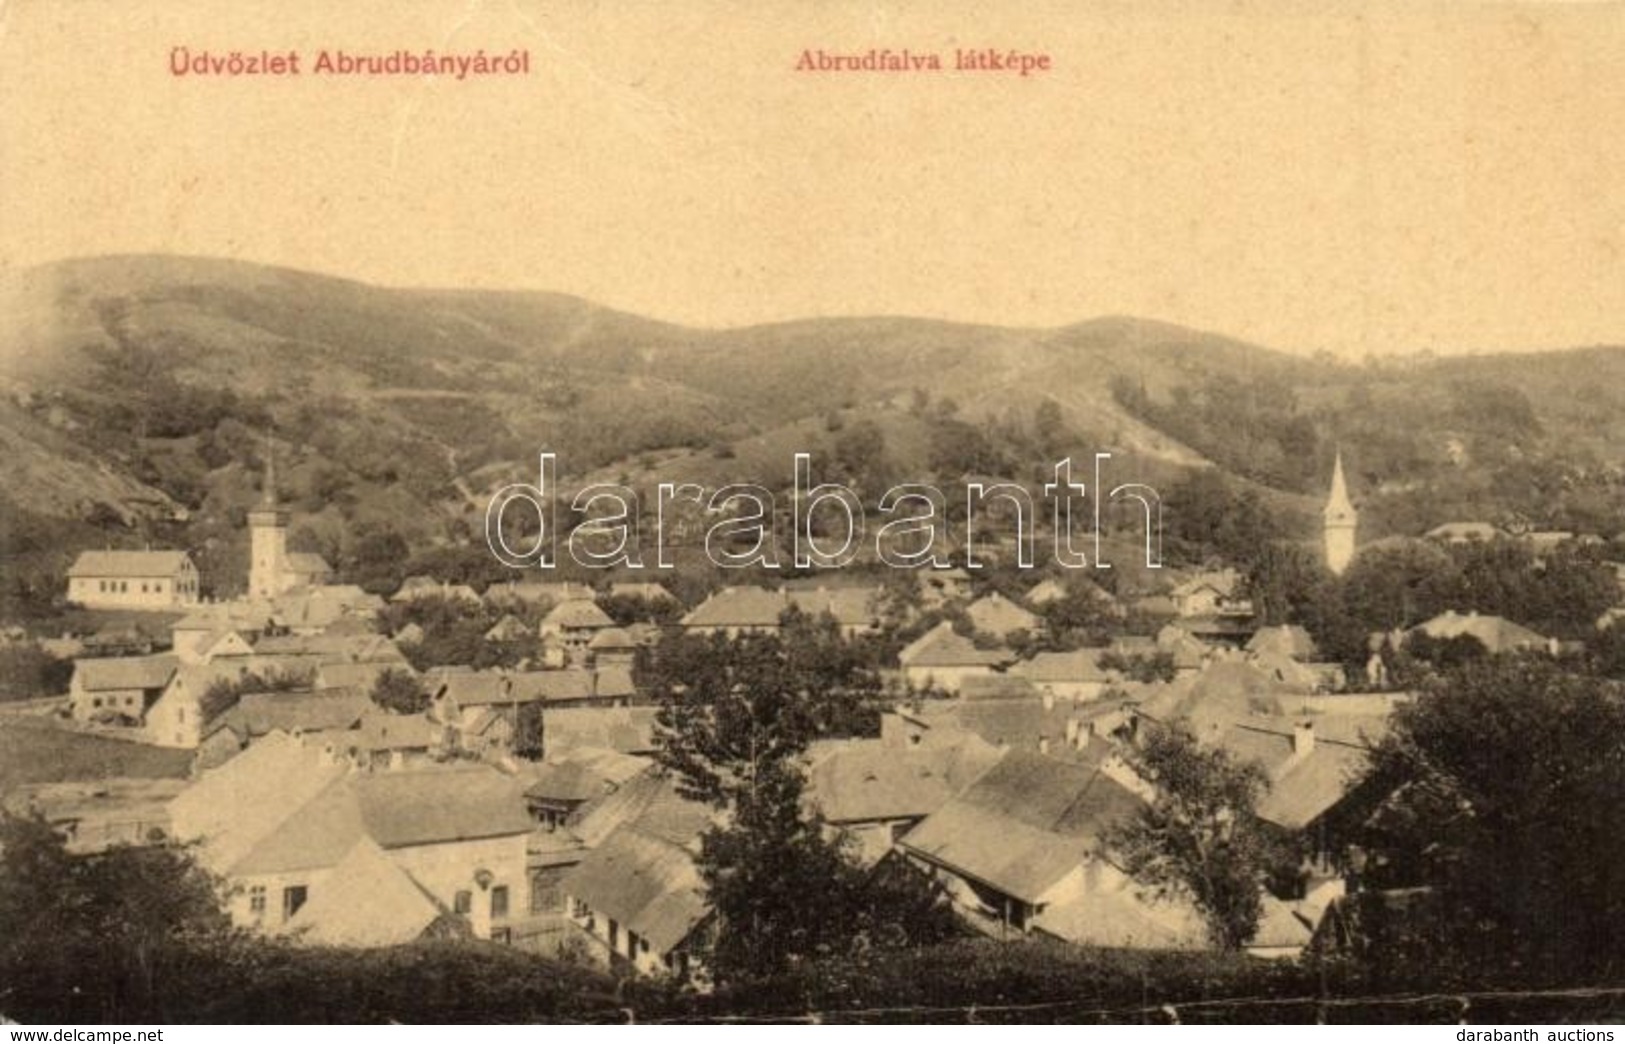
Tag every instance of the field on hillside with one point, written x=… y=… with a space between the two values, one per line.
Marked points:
x=37 y=750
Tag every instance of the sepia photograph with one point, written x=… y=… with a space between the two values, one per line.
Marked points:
x=870 y=512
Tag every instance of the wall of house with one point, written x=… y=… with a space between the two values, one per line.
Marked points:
x=627 y=946
x=446 y=869
x=240 y=904
x=86 y=705
x=173 y=720
x=151 y=592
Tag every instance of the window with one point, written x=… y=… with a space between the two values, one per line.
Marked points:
x=499 y=901
x=256 y=901
x=614 y=934
x=293 y=897
x=463 y=903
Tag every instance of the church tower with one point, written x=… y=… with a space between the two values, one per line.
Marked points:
x=267 y=538
x=1340 y=523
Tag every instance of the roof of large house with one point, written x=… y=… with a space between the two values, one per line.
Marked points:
x=538 y=591
x=368 y=900
x=232 y=807
x=649 y=886
x=1225 y=691
x=396 y=809
x=1120 y=918
x=1221 y=581
x=995 y=614
x=1303 y=785
x=651 y=802
x=577 y=613
x=862 y=780
x=1078 y=666
x=129 y=564
x=1288 y=640
x=612 y=639
x=124 y=672
x=1024 y=824
x=334 y=648
x=260 y=713
x=649 y=592
x=1497 y=633
x=943 y=647
x=479 y=688
x=748 y=607
x=1464 y=531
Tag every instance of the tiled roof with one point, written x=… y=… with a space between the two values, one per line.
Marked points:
x=259 y=713
x=124 y=672
x=1082 y=665
x=647 y=885
x=862 y=780
x=368 y=900
x=1024 y=824
x=129 y=564
x=577 y=613
x=941 y=647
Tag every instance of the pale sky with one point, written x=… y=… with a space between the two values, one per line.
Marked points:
x=1356 y=178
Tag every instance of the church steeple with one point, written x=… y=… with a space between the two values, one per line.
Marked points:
x=267 y=537
x=1340 y=522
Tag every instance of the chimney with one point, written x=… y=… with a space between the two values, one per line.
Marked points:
x=1303 y=738
x=1049 y=699
x=1072 y=731
x=1043 y=744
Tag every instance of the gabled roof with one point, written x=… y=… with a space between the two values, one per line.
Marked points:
x=437 y=805
x=532 y=591
x=1289 y=640
x=1082 y=665
x=129 y=564
x=1120 y=918
x=1223 y=582
x=379 y=730
x=741 y=607
x=1303 y=785
x=577 y=614
x=650 y=802
x=850 y=606
x=124 y=672
x=1498 y=634
x=1024 y=824
x=649 y=886
x=864 y=780
x=995 y=614
x=1461 y=532
x=368 y=900
x=649 y=592
x=482 y=688
x=233 y=807
x=260 y=713
x=942 y=647
x=612 y=639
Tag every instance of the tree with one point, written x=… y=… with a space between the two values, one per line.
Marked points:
x=1506 y=775
x=96 y=926
x=736 y=715
x=1200 y=837
x=399 y=692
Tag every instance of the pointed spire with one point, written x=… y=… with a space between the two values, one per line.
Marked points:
x=1338 y=505
x=268 y=493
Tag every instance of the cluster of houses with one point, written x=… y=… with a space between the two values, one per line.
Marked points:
x=999 y=774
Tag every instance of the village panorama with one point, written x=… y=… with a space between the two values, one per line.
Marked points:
x=309 y=712
x=606 y=520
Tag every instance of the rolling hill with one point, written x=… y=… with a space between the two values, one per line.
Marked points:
x=137 y=393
